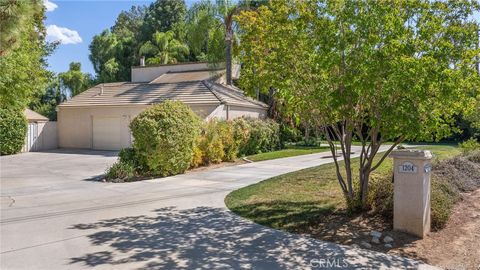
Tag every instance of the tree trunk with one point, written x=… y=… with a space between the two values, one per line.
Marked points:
x=228 y=43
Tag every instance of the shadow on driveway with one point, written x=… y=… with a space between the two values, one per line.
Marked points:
x=213 y=238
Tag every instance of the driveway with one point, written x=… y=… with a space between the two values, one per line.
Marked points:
x=55 y=217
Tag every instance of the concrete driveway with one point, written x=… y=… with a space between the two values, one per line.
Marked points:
x=54 y=217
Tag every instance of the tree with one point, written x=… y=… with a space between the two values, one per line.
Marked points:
x=23 y=68
x=360 y=70
x=15 y=18
x=164 y=49
x=204 y=33
x=75 y=80
x=46 y=103
x=163 y=16
x=104 y=51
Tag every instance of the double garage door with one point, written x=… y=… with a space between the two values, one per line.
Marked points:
x=110 y=133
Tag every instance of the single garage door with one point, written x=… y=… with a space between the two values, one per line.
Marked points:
x=107 y=133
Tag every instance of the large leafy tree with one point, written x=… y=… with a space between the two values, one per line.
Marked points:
x=46 y=103
x=15 y=20
x=164 y=49
x=23 y=50
x=163 y=16
x=75 y=80
x=359 y=70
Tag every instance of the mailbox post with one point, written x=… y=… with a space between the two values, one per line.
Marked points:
x=411 y=197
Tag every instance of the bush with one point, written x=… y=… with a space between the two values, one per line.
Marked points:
x=469 y=145
x=256 y=135
x=165 y=135
x=443 y=198
x=121 y=171
x=216 y=143
x=13 y=129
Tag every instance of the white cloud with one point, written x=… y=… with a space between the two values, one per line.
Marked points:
x=62 y=34
x=50 y=6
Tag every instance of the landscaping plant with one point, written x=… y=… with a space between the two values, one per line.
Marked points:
x=13 y=129
x=353 y=69
x=165 y=135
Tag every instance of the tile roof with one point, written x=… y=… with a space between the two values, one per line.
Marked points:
x=34 y=116
x=182 y=86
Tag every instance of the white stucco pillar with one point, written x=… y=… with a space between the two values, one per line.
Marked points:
x=411 y=197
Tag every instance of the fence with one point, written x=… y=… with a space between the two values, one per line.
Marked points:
x=41 y=136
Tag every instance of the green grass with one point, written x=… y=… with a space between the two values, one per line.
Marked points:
x=295 y=200
x=290 y=151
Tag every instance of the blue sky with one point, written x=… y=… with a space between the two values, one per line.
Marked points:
x=76 y=22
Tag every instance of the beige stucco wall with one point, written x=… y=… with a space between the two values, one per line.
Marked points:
x=75 y=124
x=230 y=112
x=236 y=111
x=147 y=74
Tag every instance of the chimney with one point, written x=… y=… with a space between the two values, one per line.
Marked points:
x=101 y=89
x=142 y=61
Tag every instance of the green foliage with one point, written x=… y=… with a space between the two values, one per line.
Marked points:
x=75 y=80
x=121 y=171
x=15 y=19
x=23 y=73
x=216 y=143
x=377 y=72
x=469 y=145
x=165 y=135
x=162 y=16
x=46 y=103
x=256 y=135
x=13 y=129
x=443 y=198
x=164 y=49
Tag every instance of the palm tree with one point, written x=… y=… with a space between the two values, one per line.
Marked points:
x=164 y=49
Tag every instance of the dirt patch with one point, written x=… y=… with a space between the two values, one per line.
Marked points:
x=457 y=246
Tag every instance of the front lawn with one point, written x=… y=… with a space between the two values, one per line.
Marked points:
x=289 y=151
x=311 y=200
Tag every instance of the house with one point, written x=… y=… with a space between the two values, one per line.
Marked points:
x=99 y=117
x=41 y=133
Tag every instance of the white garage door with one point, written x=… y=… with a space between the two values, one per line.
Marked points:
x=107 y=133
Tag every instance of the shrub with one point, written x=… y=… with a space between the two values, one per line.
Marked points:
x=443 y=198
x=469 y=145
x=216 y=143
x=380 y=196
x=121 y=171
x=165 y=135
x=258 y=135
x=473 y=156
x=289 y=134
x=13 y=129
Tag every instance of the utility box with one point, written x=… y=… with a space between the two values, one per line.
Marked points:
x=411 y=197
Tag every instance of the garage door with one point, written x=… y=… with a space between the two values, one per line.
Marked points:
x=107 y=133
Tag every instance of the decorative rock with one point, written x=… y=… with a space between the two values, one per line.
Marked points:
x=376 y=234
x=387 y=239
x=375 y=240
x=355 y=246
x=388 y=246
x=366 y=245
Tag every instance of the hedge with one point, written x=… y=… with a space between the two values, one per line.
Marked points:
x=169 y=138
x=13 y=129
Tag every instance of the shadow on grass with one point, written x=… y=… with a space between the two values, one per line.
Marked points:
x=323 y=222
x=212 y=238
